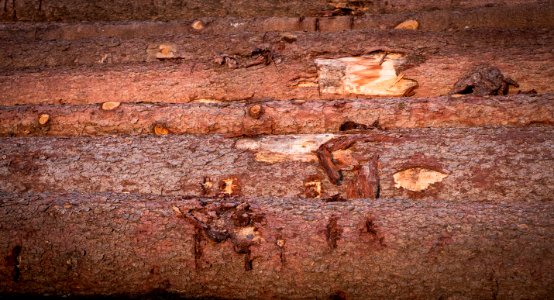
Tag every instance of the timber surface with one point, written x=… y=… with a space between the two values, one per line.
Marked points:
x=121 y=10
x=436 y=61
x=241 y=179
x=481 y=164
x=67 y=248
x=279 y=117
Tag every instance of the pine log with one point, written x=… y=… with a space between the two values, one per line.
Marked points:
x=118 y=10
x=472 y=164
x=280 y=74
x=106 y=244
x=522 y=16
x=278 y=117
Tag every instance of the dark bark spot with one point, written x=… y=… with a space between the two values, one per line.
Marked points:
x=248 y=261
x=13 y=261
x=333 y=232
x=370 y=227
x=198 y=248
x=335 y=198
x=349 y=125
x=338 y=295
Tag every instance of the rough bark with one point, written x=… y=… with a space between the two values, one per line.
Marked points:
x=98 y=244
x=279 y=117
x=284 y=77
x=291 y=49
x=503 y=164
x=530 y=16
x=115 y=10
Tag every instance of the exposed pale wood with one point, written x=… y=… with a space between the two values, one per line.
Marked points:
x=87 y=244
x=481 y=164
x=408 y=25
x=289 y=75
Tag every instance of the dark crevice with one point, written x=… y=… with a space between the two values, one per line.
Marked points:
x=350 y=125
x=198 y=249
x=377 y=179
x=334 y=198
x=339 y=295
x=13 y=260
x=14 y=10
x=317 y=24
x=467 y=90
x=333 y=232
x=248 y=261
x=370 y=227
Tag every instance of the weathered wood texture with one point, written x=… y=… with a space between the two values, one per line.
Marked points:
x=114 y=10
x=503 y=164
x=279 y=117
x=114 y=243
x=530 y=16
x=432 y=61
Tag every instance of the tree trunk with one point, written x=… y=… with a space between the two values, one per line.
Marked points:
x=117 y=243
x=274 y=149
x=433 y=61
x=454 y=164
x=279 y=117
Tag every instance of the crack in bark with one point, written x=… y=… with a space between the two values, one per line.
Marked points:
x=333 y=232
x=14 y=260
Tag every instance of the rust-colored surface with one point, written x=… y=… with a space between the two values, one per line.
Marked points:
x=492 y=165
x=117 y=10
x=280 y=117
x=290 y=74
x=318 y=149
x=91 y=244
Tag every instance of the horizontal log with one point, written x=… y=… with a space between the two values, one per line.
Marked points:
x=278 y=117
x=528 y=15
x=82 y=244
x=104 y=10
x=502 y=164
x=269 y=73
x=290 y=47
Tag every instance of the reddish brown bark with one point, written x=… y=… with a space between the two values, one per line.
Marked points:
x=240 y=165
x=290 y=75
x=115 y=10
x=279 y=117
x=91 y=244
x=480 y=164
x=530 y=16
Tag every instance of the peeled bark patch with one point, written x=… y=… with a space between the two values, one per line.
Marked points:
x=372 y=75
x=408 y=25
x=417 y=179
x=43 y=119
x=110 y=105
x=274 y=150
x=162 y=51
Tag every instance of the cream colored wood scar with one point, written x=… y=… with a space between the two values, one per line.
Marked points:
x=372 y=75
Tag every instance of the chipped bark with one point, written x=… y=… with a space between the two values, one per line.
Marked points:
x=455 y=245
x=369 y=75
x=282 y=117
x=490 y=164
x=120 y=10
x=196 y=77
